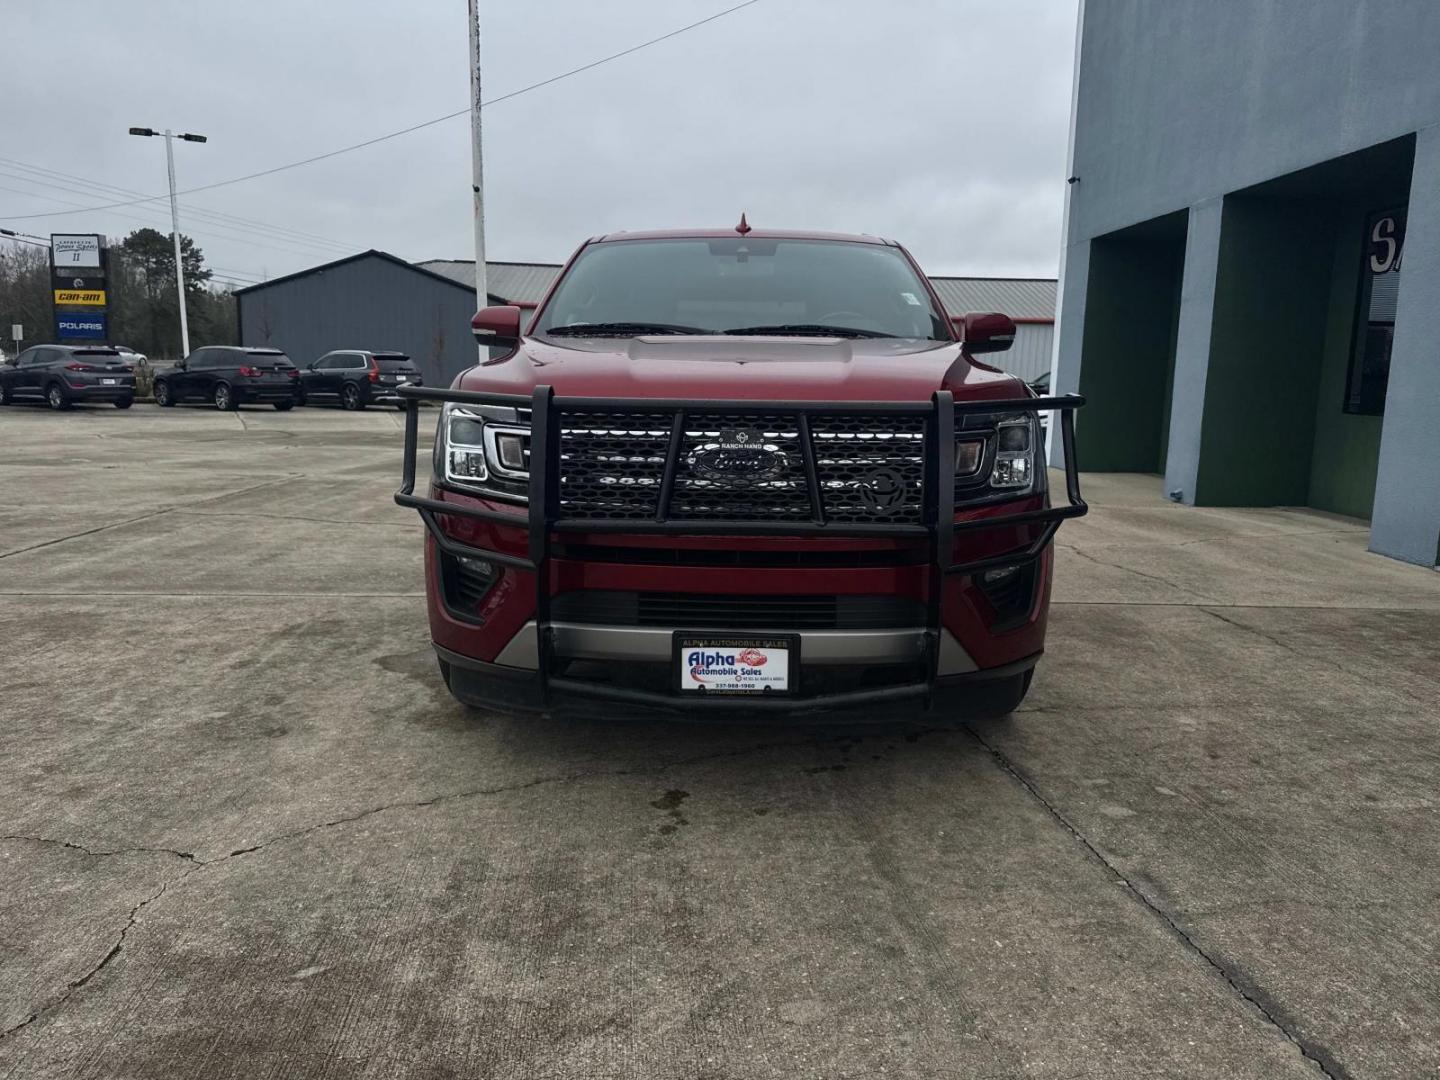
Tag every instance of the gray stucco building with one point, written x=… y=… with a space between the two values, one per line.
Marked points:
x=1250 y=288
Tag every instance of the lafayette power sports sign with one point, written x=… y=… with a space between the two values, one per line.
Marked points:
x=70 y=252
x=77 y=281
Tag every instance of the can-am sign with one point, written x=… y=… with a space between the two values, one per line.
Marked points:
x=71 y=251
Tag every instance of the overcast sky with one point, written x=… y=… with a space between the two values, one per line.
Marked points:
x=941 y=123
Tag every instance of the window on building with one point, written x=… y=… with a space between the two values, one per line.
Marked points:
x=1375 y=314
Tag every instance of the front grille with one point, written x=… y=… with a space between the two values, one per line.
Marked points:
x=743 y=466
x=688 y=611
x=803 y=557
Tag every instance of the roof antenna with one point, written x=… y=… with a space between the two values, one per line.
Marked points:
x=744 y=226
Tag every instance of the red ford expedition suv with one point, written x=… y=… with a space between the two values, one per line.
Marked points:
x=743 y=471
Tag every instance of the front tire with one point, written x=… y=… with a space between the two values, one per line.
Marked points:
x=224 y=397
x=284 y=406
x=55 y=397
x=124 y=403
x=350 y=397
x=5 y=396
x=162 y=395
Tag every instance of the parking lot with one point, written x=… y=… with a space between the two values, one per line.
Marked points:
x=248 y=833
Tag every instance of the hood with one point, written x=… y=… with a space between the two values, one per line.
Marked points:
x=750 y=368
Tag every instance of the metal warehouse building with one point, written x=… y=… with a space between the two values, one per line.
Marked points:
x=375 y=300
x=1250 y=292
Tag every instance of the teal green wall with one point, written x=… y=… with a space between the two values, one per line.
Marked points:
x=1347 y=448
x=1128 y=350
x=1272 y=293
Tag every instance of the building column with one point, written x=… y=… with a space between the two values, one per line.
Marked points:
x=1406 y=520
x=1069 y=338
x=1192 y=349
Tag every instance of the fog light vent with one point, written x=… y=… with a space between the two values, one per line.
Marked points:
x=1010 y=590
x=466 y=582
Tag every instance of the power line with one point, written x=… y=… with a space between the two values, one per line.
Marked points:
x=282 y=242
x=208 y=229
x=203 y=212
x=413 y=127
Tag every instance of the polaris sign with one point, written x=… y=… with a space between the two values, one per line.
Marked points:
x=88 y=327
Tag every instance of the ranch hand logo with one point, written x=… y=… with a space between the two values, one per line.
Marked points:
x=740 y=456
x=882 y=492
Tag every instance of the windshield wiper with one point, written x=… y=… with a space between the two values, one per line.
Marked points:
x=621 y=329
x=808 y=330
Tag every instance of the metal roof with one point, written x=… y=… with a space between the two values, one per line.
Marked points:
x=1020 y=298
x=527 y=283
x=523 y=283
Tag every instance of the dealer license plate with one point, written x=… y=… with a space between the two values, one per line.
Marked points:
x=713 y=664
x=107 y=382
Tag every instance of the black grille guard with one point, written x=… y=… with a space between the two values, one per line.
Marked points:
x=543 y=519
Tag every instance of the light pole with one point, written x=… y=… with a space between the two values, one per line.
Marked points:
x=175 y=223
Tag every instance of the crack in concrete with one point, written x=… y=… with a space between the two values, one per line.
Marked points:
x=1276 y=534
x=1313 y=1052
x=1250 y=629
x=202 y=864
x=114 y=951
x=146 y=517
x=296 y=517
x=456 y=796
x=1139 y=573
x=188 y=856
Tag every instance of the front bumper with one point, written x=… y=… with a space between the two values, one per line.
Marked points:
x=536 y=657
x=496 y=686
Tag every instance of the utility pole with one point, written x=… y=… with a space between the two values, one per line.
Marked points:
x=477 y=164
x=175 y=224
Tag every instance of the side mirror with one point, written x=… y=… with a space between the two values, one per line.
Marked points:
x=987 y=331
x=180 y=364
x=497 y=326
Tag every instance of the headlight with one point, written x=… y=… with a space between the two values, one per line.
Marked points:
x=478 y=446
x=1014 y=453
x=995 y=455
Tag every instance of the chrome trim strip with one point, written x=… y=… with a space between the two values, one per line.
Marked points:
x=522 y=650
x=822 y=647
x=816 y=646
x=954 y=660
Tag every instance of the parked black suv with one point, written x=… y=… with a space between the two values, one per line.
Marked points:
x=64 y=374
x=230 y=376
x=356 y=378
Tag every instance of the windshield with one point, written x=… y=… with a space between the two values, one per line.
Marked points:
x=743 y=285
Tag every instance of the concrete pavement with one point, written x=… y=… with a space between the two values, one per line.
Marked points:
x=247 y=832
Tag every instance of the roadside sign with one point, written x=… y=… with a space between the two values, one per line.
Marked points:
x=70 y=251
x=86 y=327
x=17 y=332
x=80 y=297
x=77 y=283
